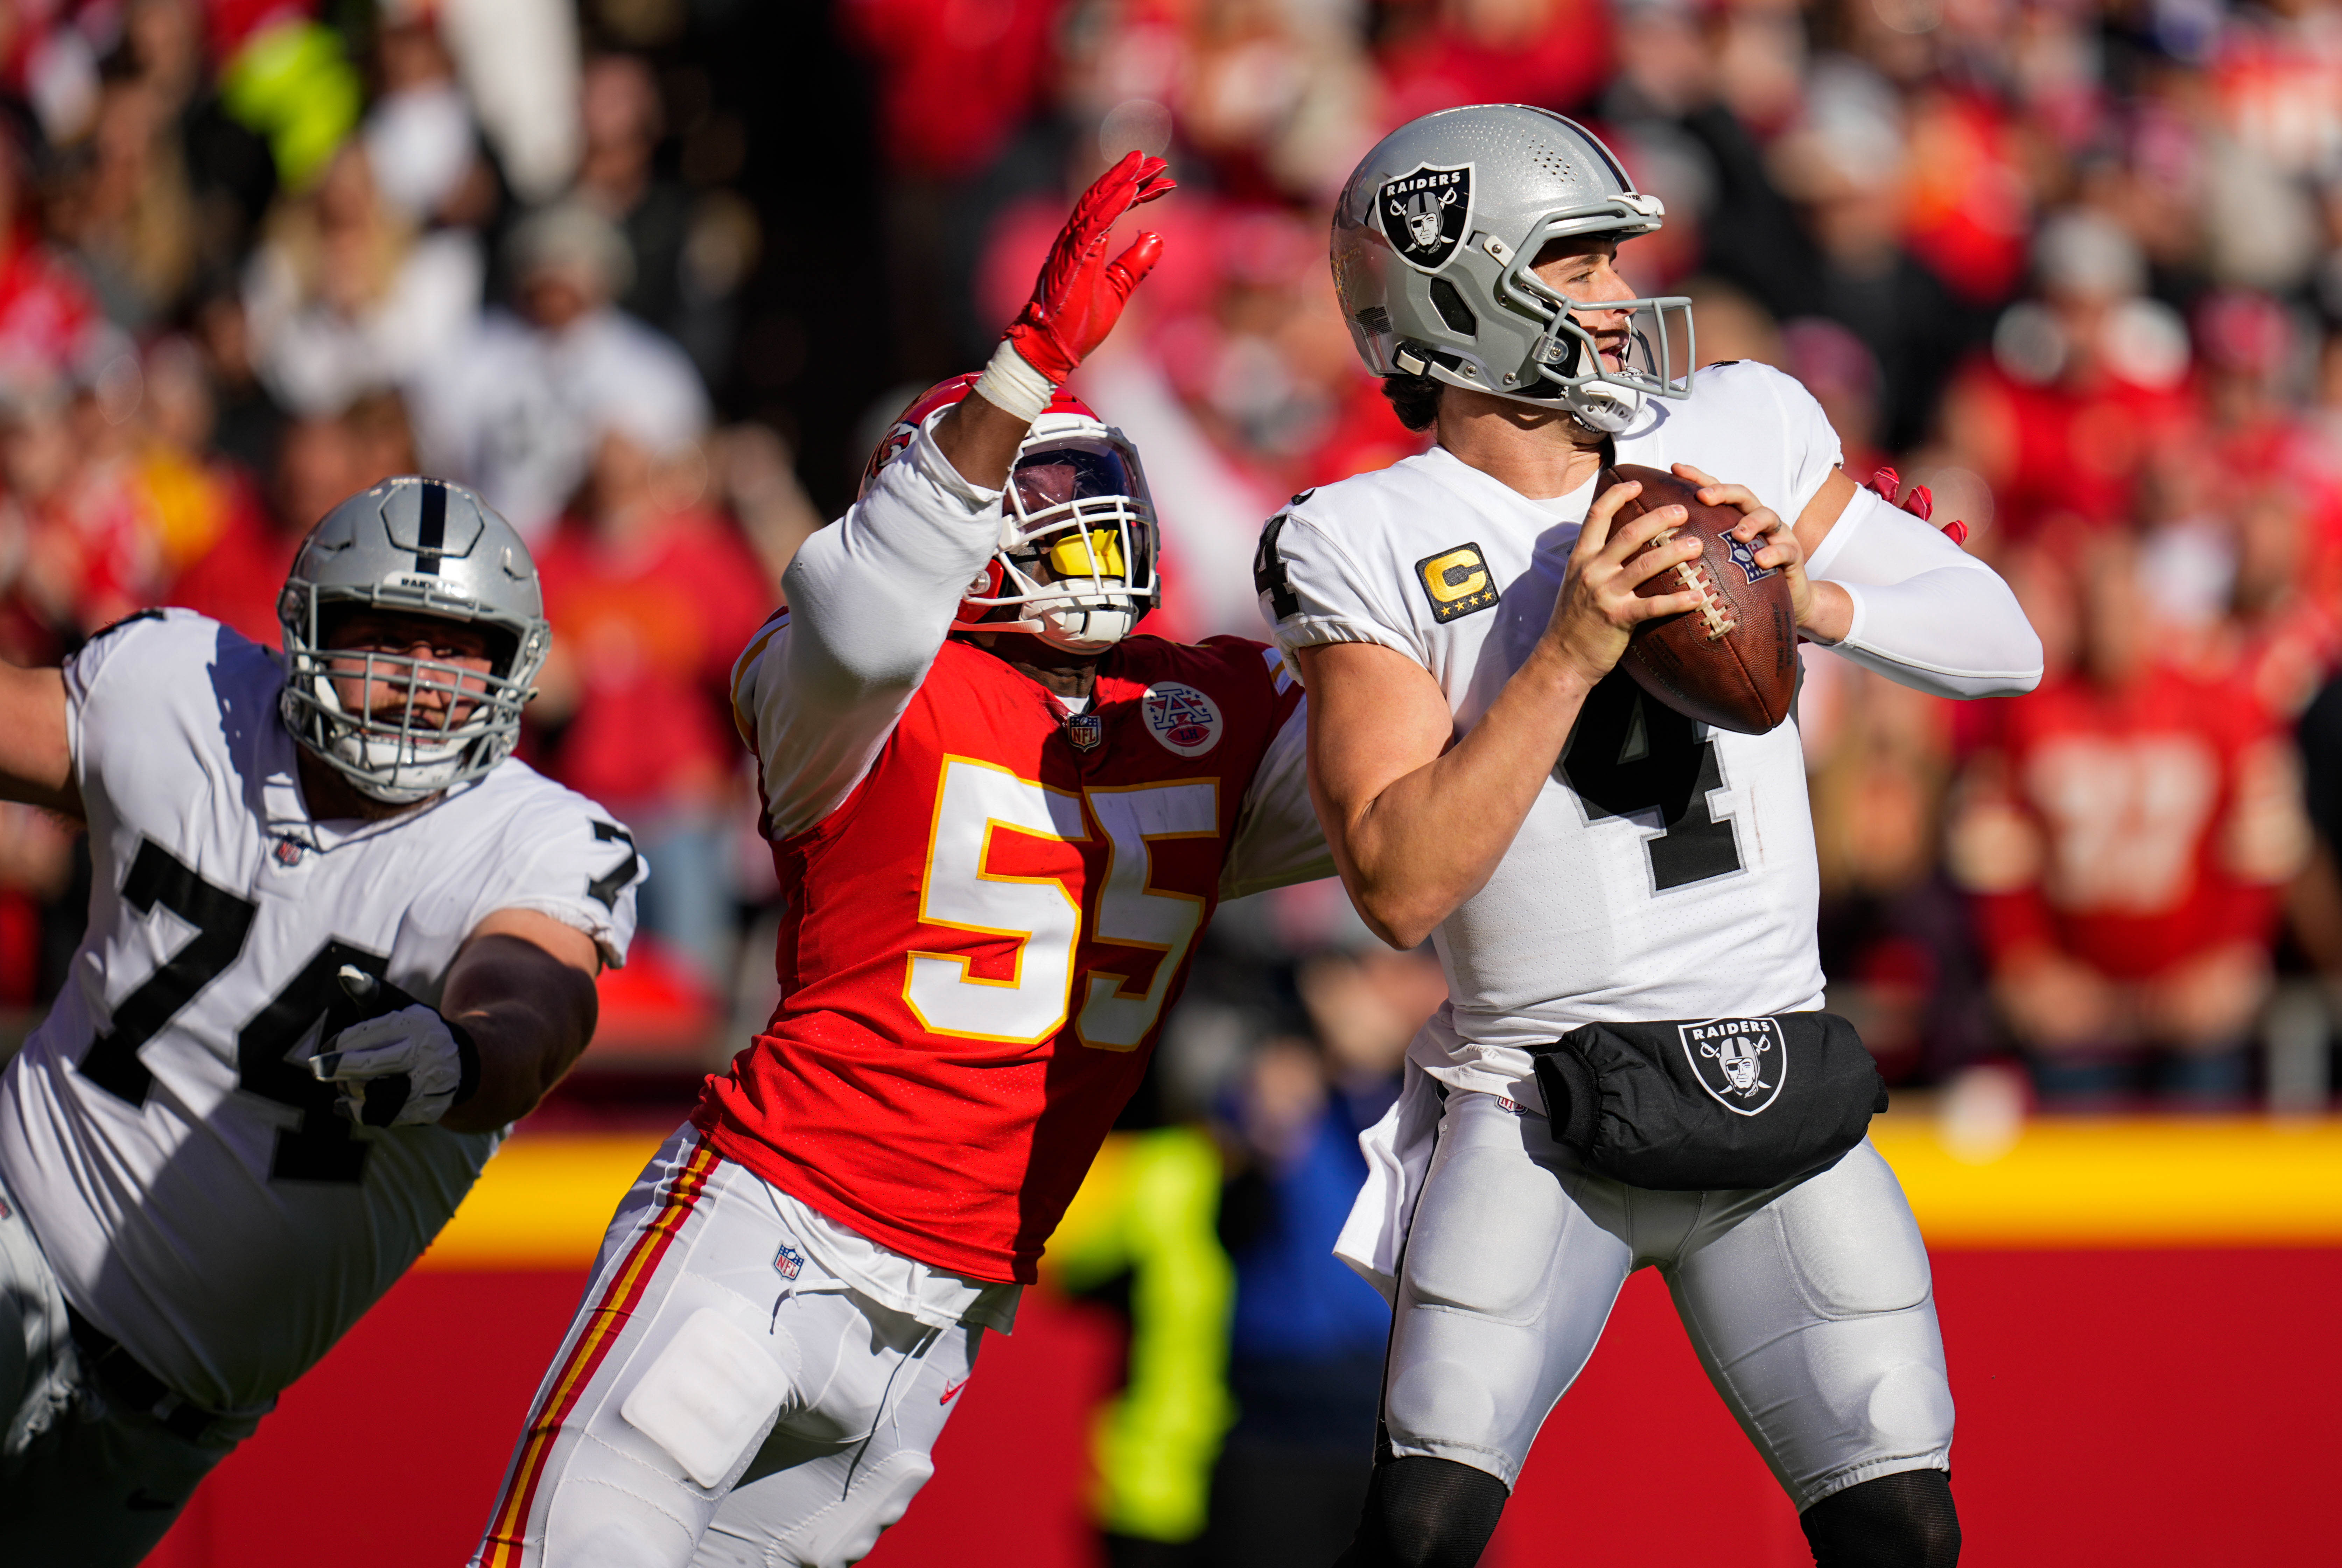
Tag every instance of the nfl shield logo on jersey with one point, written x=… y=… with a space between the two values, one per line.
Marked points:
x=1087 y=730
x=1425 y=215
x=790 y=1263
x=1739 y=1061
x=1183 y=718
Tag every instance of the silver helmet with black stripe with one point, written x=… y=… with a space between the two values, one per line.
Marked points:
x=412 y=546
x=1434 y=240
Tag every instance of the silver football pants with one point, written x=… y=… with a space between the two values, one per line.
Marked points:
x=1810 y=1307
x=86 y=1481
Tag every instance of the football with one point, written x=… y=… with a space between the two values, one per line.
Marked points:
x=1733 y=662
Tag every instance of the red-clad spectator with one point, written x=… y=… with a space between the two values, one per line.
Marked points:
x=2081 y=385
x=652 y=597
x=2124 y=842
x=1443 y=53
x=49 y=325
x=956 y=77
x=77 y=554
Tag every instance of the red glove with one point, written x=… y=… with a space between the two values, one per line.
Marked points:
x=1079 y=294
x=1920 y=503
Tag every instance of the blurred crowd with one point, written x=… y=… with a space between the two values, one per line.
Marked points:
x=654 y=273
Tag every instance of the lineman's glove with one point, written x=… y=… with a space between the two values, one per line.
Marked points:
x=403 y=1067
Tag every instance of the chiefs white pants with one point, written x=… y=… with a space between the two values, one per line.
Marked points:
x=709 y=1408
x=1811 y=1308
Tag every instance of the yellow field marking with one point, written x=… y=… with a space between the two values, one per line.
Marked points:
x=545 y=1201
x=2242 y=1182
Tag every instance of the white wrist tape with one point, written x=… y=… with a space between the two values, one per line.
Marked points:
x=1013 y=386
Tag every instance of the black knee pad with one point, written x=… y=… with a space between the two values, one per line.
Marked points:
x=1900 y=1520
x=1423 y=1512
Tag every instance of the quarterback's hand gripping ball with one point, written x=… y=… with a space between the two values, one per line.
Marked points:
x=1733 y=662
x=1079 y=294
x=399 y=1068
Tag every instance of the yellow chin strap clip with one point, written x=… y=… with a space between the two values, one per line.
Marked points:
x=1097 y=554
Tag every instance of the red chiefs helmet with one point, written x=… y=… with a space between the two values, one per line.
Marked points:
x=1078 y=544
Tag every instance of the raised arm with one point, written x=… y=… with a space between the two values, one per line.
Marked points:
x=871 y=598
x=1417 y=819
x=37 y=763
x=1921 y=611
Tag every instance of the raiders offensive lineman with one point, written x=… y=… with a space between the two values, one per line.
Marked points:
x=338 y=940
x=1580 y=854
x=1000 y=818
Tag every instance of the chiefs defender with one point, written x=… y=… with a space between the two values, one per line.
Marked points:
x=1000 y=822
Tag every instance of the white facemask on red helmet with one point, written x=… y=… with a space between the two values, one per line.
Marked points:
x=1076 y=555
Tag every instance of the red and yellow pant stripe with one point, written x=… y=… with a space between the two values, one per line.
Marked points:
x=605 y=1322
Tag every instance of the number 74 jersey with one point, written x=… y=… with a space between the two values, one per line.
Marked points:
x=186 y=1174
x=981 y=942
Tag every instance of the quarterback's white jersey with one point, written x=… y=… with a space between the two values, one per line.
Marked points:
x=187 y=1177
x=1666 y=869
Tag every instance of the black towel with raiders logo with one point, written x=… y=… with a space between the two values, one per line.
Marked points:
x=1701 y=1104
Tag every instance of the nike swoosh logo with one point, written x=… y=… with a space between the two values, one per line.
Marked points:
x=951 y=1390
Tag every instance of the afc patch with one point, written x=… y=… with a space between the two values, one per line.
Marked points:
x=790 y=1263
x=1183 y=718
x=1425 y=215
x=1087 y=730
x=1458 y=583
x=1732 y=1056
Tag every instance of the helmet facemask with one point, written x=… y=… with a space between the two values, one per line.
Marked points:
x=1076 y=552
x=430 y=553
x=410 y=748
x=1650 y=354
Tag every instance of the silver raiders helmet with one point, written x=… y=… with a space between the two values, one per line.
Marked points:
x=423 y=548
x=1433 y=238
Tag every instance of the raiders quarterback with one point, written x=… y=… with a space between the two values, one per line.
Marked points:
x=338 y=940
x=1000 y=820
x=1582 y=854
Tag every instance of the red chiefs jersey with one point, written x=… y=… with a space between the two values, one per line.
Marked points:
x=981 y=943
x=2132 y=829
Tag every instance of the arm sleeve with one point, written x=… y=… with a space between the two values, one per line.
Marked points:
x=1926 y=615
x=871 y=599
x=1279 y=840
x=1314 y=592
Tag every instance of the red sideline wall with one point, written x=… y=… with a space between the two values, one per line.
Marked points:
x=2145 y=1406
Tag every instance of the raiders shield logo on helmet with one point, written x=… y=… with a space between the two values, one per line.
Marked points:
x=1739 y=1061
x=1425 y=215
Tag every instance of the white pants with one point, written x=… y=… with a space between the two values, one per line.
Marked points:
x=85 y=1482
x=1811 y=1308
x=718 y=1401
